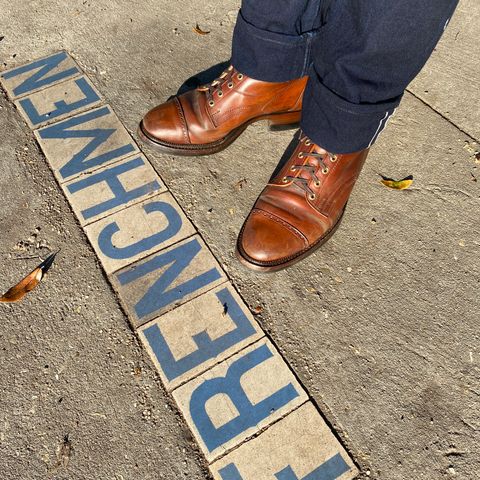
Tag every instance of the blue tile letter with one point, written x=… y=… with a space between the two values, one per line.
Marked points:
x=79 y=163
x=110 y=177
x=173 y=227
x=38 y=79
x=249 y=414
x=207 y=348
x=230 y=472
x=61 y=107
x=158 y=296
x=332 y=469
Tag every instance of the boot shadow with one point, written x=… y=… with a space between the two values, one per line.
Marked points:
x=287 y=154
x=203 y=77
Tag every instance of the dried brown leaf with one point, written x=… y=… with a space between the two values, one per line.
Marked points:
x=28 y=283
x=199 y=31
x=240 y=184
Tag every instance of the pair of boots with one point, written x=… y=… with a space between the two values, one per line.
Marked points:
x=303 y=203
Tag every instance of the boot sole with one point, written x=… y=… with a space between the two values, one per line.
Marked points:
x=275 y=267
x=277 y=122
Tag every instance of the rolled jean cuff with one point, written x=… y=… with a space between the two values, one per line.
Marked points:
x=269 y=56
x=339 y=126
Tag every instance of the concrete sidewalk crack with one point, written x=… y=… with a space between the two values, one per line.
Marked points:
x=453 y=124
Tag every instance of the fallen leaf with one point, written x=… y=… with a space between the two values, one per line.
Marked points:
x=258 y=309
x=240 y=184
x=199 y=31
x=28 y=283
x=397 y=184
x=64 y=453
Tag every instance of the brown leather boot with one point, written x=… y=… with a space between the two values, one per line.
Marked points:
x=300 y=209
x=208 y=119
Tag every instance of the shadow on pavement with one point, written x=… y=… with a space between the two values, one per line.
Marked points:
x=203 y=77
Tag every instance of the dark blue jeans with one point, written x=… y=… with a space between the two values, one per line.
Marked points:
x=360 y=55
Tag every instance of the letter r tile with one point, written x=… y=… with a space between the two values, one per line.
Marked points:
x=137 y=231
x=39 y=74
x=237 y=398
x=112 y=188
x=298 y=447
x=166 y=279
x=58 y=101
x=83 y=143
x=193 y=337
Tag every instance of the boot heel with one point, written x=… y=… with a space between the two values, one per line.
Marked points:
x=284 y=121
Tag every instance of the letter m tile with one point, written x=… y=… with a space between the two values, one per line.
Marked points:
x=85 y=158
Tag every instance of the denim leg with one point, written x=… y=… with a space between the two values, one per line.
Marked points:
x=363 y=58
x=272 y=38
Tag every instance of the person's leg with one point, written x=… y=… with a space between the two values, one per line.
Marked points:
x=363 y=58
x=272 y=40
x=265 y=82
x=362 y=61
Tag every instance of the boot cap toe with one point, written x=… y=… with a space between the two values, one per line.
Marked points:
x=267 y=239
x=165 y=123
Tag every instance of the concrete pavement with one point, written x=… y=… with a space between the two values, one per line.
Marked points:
x=380 y=325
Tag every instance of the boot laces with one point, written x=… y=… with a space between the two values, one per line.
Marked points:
x=216 y=85
x=311 y=170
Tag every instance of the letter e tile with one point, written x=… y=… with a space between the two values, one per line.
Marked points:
x=193 y=337
x=58 y=101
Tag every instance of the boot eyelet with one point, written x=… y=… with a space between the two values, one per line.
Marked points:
x=230 y=85
x=325 y=171
x=333 y=158
x=308 y=142
x=293 y=168
x=220 y=93
x=240 y=76
x=285 y=180
x=317 y=184
x=211 y=103
x=300 y=154
x=311 y=196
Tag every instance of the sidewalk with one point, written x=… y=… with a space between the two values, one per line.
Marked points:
x=381 y=325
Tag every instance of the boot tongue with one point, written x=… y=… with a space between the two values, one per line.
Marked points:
x=309 y=161
x=219 y=81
